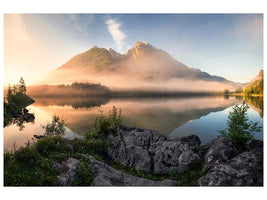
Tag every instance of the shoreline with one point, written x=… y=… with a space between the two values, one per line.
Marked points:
x=143 y=157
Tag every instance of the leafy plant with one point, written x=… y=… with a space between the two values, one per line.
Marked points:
x=56 y=127
x=111 y=122
x=240 y=130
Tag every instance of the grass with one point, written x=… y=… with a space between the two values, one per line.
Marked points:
x=32 y=165
x=85 y=175
x=187 y=178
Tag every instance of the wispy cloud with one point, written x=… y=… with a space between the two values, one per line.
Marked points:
x=114 y=29
x=81 y=22
x=18 y=27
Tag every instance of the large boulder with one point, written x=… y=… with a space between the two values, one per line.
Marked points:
x=219 y=150
x=243 y=170
x=68 y=171
x=256 y=146
x=149 y=151
x=174 y=155
x=105 y=175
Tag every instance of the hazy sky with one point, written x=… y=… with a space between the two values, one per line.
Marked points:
x=228 y=45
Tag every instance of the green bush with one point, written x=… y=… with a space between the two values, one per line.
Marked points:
x=240 y=130
x=84 y=176
x=56 y=127
x=26 y=155
x=92 y=135
x=50 y=144
x=111 y=122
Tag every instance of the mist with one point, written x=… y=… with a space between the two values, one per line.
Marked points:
x=133 y=81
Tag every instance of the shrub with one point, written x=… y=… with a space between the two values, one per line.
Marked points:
x=50 y=144
x=240 y=130
x=27 y=155
x=56 y=127
x=92 y=135
x=104 y=124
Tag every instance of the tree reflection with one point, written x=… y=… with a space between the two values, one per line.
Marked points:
x=22 y=119
x=75 y=103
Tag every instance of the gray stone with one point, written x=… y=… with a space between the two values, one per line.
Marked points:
x=68 y=171
x=105 y=175
x=242 y=170
x=192 y=141
x=149 y=151
x=174 y=155
x=220 y=150
x=256 y=145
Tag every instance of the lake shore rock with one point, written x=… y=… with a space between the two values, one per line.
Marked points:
x=104 y=175
x=225 y=167
x=149 y=151
x=68 y=171
x=152 y=153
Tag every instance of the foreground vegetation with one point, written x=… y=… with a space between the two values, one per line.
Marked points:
x=32 y=165
x=239 y=129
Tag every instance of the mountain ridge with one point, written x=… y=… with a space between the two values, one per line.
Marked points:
x=143 y=62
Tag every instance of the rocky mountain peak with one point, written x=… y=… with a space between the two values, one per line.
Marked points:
x=143 y=44
x=114 y=53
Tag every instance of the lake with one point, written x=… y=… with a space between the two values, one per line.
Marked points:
x=174 y=117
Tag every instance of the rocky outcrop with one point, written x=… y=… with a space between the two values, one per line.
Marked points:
x=105 y=175
x=225 y=167
x=68 y=171
x=242 y=170
x=256 y=146
x=149 y=151
x=219 y=150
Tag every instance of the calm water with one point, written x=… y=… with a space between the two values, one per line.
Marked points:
x=174 y=117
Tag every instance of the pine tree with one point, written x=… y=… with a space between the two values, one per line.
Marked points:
x=9 y=91
x=22 y=86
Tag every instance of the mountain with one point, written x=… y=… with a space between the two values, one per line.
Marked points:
x=255 y=86
x=143 y=66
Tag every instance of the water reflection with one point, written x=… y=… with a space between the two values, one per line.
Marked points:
x=162 y=114
x=21 y=119
x=75 y=103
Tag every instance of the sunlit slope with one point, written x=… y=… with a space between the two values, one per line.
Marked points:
x=143 y=66
x=255 y=86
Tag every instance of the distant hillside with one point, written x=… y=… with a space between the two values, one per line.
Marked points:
x=73 y=90
x=143 y=66
x=255 y=86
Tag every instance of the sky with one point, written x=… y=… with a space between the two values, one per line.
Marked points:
x=228 y=45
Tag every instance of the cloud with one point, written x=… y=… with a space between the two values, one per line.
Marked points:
x=17 y=27
x=81 y=22
x=114 y=29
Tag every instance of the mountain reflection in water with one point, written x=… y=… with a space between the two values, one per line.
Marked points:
x=162 y=114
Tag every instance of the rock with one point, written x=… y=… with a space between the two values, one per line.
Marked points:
x=243 y=170
x=220 y=150
x=38 y=136
x=192 y=141
x=14 y=114
x=28 y=117
x=68 y=171
x=256 y=145
x=174 y=156
x=128 y=154
x=105 y=175
x=25 y=110
x=149 y=151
